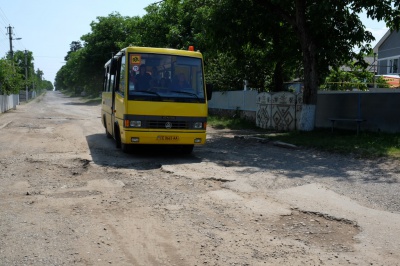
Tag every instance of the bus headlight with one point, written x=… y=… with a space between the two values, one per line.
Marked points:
x=136 y=124
x=132 y=123
x=198 y=125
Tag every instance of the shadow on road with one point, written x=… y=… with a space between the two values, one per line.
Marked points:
x=142 y=157
x=246 y=157
x=250 y=156
x=88 y=103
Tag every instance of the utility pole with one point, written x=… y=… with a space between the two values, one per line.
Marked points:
x=375 y=72
x=9 y=32
x=26 y=74
x=10 y=36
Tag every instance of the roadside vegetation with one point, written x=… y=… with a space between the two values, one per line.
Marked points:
x=365 y=145
x=285 y=41
x=16 y=75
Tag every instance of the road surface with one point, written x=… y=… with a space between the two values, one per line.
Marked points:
x=69 y=197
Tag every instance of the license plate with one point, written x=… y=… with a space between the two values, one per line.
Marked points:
x=168 y=138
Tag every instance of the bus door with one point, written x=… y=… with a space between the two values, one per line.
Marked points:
x=113 y=74
x=118 y=92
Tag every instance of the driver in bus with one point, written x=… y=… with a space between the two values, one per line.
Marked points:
x=180 y=82
x=142 y=80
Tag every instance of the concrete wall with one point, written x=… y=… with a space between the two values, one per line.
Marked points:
x=380 y=109
x=8 y=102
x=234 y=100
x=234 y=103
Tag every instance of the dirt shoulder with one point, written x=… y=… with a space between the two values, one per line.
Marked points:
x=68 y=196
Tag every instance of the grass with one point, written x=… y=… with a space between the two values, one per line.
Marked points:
x=88 y=99
x=365 y=145
x=231 y=123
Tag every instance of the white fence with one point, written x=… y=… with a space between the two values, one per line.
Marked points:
x=279 y=110
x=234 y=100
x=8 y=102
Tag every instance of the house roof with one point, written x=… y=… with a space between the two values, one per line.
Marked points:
x=370 y=60
x=381 y=41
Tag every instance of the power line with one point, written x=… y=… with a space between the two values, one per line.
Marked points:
x=4 y=17
x=5 y=20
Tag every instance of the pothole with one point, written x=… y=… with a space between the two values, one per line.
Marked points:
x=76 y=194
x=320 y=230
x=76 y=166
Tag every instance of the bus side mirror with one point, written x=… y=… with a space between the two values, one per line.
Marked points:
x=113 y=68
x=209 y=88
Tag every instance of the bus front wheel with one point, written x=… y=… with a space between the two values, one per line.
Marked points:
x=117 y=137
x=125 y=147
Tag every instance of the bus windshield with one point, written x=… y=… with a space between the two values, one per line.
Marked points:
x=157 y=77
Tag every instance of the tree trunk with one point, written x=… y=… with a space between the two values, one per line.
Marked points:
x=308 y=48
x=277 y=79
x=307 y=118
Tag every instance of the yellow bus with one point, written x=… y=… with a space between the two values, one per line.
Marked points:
x=155 y=96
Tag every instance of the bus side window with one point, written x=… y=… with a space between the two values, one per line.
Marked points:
x=106 y=82
x=112 y=83
x=121 y=85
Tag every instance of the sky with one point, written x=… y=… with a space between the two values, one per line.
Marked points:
x=47 y=27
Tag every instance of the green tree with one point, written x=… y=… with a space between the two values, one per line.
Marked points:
x=71 y=76
x=325 y=33
x=263 y=41
x=19 y=61
x=47 y=85
x=34 y=79
x=84 y=67
x=10 y=79
x=352 y=76
x=259 y=43
x=74 y=46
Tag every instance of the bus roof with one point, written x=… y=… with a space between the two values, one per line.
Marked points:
x=168 y=51
x=153 y=50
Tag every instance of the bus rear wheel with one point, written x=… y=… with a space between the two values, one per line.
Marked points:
x=117 y=136
x=109 y=136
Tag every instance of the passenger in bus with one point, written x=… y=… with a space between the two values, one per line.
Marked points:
x=132 y=80
x=180 y=82
x=164 y=83
x=155 y=77
x=142 y=80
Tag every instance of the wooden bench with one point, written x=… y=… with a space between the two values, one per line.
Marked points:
x=356 y=120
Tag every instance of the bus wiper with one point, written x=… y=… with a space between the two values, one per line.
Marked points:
x=150 y=92
x=187 y=92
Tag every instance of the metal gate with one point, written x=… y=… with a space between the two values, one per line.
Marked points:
x=278 y=111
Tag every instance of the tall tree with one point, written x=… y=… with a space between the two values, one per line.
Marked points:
x=327 y=32
x=10 y=80
x=84 y=68
x=264 y=51
x=74 y=46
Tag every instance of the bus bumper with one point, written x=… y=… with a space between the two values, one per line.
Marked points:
x=163 y=138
